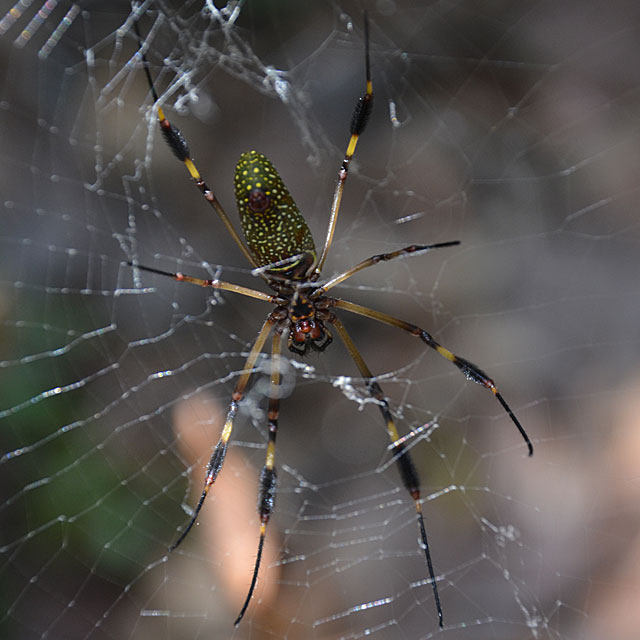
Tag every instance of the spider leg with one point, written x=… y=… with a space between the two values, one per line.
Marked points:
x=470 y=370
x=412 y=250
x=220 y=451
x=407 y=469
x=215 y=284
x=267 y=490
x=176 y=141
x=358 y=123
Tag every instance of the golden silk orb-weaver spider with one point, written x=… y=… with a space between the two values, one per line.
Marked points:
x=281 y=250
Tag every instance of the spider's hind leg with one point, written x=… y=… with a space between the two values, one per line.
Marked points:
x=180 y=149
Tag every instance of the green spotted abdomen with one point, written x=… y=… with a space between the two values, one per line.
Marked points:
x=272 y=223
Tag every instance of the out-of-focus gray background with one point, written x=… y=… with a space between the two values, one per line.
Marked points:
x=512 y=127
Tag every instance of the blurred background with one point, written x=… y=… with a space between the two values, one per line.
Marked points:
x=511 y=127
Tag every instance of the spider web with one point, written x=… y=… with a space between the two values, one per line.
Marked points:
x=512 y=127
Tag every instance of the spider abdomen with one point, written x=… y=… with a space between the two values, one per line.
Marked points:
x=276 y=232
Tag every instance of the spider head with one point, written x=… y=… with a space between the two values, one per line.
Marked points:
x=306 y=329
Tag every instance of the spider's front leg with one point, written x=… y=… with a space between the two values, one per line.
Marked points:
x=407 y=469
x=220 y=451
x=268 y=480
x=472 y=371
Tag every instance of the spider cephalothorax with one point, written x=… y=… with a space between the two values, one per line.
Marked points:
x=280 y=249
x=305 y=320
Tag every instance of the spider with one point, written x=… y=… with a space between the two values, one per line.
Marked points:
x=281 y=250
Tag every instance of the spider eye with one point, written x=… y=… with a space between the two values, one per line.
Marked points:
x=259 y=201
